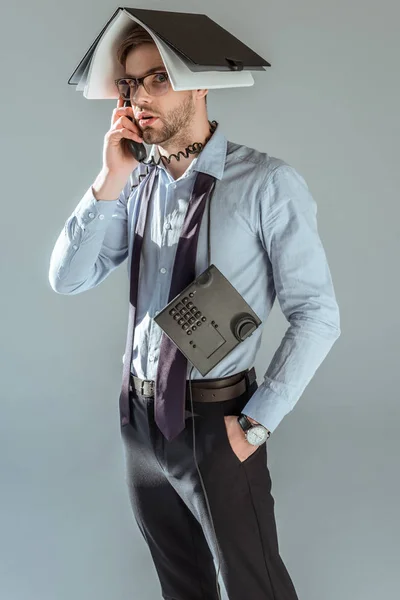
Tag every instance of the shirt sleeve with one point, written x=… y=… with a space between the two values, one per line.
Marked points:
x=92 y=243
x=304 y=288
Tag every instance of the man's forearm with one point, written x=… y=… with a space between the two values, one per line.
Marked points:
x=107 y=186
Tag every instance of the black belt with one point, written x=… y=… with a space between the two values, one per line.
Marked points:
x=204 y=390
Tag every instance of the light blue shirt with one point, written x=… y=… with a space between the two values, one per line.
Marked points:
x=264 y=239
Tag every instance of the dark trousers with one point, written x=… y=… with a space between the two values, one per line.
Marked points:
x=170 y=508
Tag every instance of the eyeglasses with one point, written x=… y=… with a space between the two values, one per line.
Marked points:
x=155 y=84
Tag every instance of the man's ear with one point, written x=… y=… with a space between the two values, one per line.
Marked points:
x=201 y=93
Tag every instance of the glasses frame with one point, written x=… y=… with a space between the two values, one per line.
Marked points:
x=140 y=81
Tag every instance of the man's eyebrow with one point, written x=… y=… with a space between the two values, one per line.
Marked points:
x=153 y=70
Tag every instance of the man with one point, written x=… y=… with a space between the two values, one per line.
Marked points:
x=264 y=239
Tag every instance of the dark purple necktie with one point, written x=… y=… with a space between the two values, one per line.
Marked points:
x=170 y=385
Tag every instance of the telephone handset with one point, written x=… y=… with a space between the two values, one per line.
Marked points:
x=136 y=148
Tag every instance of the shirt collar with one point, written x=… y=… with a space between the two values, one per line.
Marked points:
x=211 y=159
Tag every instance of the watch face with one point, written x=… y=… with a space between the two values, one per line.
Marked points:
x=257 y=435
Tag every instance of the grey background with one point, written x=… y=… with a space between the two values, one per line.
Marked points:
x=330 y=107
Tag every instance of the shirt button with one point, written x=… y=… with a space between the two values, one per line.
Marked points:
x=168 y=226
x=156 y=313
x=174 y=186
x=75 y=247
x=91 y=215
x=163 y=270
x=101 y=217
x=151 y=358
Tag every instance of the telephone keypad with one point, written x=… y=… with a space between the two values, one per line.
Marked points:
x=187 y=315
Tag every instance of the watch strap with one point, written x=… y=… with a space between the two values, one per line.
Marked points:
x=244 y=422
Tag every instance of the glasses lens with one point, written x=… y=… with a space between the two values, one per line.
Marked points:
x=124 y=88
x=156 y=84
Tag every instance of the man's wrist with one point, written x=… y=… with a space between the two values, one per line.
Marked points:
x=254 y=422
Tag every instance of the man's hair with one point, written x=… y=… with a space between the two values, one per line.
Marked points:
x=136 y=36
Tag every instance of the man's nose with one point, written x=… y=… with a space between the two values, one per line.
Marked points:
x=139 y=94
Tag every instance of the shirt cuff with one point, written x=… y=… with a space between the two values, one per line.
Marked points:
x=266 y=407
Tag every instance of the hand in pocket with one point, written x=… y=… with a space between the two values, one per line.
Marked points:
x=237 y=439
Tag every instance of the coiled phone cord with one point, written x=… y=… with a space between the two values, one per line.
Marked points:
x=195 y=148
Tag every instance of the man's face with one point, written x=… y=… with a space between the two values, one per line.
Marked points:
x=174 y=110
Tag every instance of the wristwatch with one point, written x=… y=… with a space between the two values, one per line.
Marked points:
x=255 y=434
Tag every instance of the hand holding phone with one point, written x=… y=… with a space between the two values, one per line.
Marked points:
x=122 y=142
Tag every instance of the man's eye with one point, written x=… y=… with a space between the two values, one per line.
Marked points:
x=163 y=78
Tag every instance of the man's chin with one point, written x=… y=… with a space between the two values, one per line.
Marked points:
x=153 y=137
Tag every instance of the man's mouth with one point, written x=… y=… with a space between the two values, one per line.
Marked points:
x=147 y=121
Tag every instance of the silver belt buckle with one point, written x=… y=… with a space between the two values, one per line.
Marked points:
x=142 y=386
